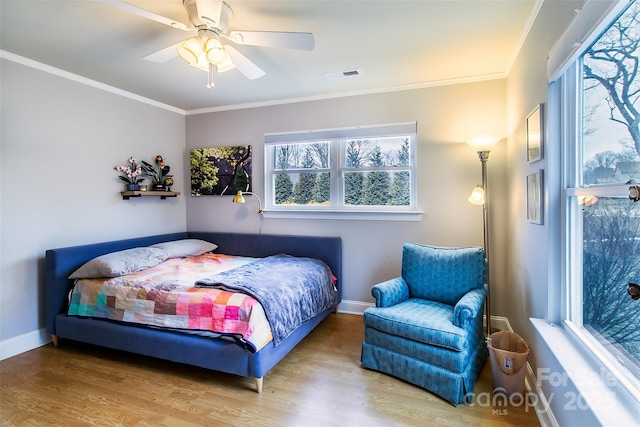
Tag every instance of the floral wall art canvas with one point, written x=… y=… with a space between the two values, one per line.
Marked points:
x=220 y=170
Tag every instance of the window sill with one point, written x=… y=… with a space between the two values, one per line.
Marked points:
x=611 y=404
x=412 y=216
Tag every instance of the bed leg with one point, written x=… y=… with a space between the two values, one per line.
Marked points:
x=259 y=382
x=55 y=340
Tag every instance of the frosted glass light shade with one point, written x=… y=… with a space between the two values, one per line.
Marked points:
x=218 y=56
x=190 y=50
x=477 y=196
x=483 y=143
x=214 y=51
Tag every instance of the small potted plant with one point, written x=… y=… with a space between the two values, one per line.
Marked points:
x=131 y=175
x=159 y=174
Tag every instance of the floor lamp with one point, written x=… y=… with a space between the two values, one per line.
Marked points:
x=480 y=196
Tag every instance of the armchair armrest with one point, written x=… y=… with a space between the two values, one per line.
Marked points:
x=469 y=307
x=390 y=292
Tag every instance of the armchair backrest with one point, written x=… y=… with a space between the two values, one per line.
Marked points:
x=442 y=274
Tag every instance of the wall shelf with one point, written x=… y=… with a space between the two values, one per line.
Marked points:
x=162 y=194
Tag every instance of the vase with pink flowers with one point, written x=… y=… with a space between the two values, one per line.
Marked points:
x=132 y=175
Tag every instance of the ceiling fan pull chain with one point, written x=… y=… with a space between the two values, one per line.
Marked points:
x=210 y=81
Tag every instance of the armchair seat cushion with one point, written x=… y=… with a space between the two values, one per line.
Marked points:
x=424 y=321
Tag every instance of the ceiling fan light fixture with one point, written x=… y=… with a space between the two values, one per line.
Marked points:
x=190 y=50
x=214 y=51
x=217 y=55
x=211 y=18
x=203 y=52
x=202 y=63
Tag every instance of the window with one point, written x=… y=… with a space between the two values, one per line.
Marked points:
x=361 y=169
x=600 y=92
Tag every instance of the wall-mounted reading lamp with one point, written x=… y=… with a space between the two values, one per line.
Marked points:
x=239 y=198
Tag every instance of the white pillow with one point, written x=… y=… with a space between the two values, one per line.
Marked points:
x=119 y=263
x=185 y=247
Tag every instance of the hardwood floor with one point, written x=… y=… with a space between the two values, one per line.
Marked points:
x=320 y=383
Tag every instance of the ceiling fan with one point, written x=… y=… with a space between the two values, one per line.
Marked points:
x=206 y=51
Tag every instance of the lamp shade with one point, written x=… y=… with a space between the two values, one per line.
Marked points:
x=483 y=143
x=238 y=198
x=218 y=56
x=477 y=196
x=214 y=51
x=190 y=50
x=205 y=52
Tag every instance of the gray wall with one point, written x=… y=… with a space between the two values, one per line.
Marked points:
x=59 y=144
x=528 y=243
x=447 y=171
x=529 y=253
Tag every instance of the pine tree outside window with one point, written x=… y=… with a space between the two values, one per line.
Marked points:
x=354 y=169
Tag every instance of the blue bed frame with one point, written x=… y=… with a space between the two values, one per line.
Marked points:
x=215 y=354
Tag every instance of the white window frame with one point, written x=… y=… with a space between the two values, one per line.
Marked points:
x=566 y=73
x=336 y=139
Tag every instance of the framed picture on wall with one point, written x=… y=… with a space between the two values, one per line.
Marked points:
x=220 y=171
x=535 y=187
x=535 y=134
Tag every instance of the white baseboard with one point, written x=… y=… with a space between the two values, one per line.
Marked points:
x=541 y=405
x=500 y=323
x=25 y=342
x=353 y=307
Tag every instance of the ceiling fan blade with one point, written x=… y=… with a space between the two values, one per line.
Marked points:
x=128 y=7
x=164 y=55
x=303 y=41
x=243 y=64
x=209 y=11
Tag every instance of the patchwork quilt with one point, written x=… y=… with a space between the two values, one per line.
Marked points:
x=165 y=296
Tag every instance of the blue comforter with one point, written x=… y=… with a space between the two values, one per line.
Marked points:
x=291 y=290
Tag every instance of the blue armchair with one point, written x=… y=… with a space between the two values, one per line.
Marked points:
x=426 y=327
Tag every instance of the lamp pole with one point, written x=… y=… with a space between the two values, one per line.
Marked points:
x=483 y=145
x=484 y=156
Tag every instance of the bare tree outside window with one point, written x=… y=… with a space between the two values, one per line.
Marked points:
x=611 y=147
x=612 y=64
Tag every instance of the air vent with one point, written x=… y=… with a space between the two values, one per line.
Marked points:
x=342 y=74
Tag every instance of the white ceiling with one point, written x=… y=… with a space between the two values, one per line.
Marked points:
x=395 y=44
